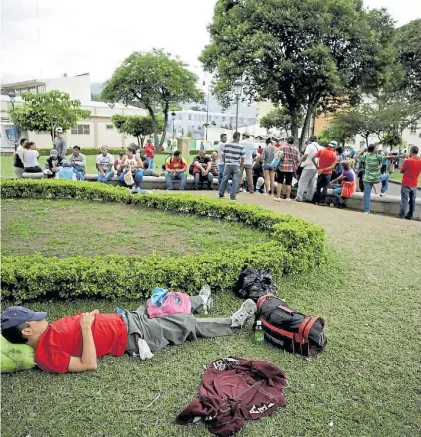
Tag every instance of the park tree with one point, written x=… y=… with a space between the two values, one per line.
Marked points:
x=407 y=42
x=298 y=54
x=46 y=111
x=278 y=118
x=137 y=126
x=154 y=80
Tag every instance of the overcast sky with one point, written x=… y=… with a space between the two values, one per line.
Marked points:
x=46 y=38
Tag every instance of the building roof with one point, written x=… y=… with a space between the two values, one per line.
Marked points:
x=25 y=84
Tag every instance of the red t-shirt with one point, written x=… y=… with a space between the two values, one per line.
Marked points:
x=412 y=167
x=327 y=157
x=63 y=339
x=150 y=150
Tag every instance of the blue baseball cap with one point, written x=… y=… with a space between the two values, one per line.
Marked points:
x=14 y=316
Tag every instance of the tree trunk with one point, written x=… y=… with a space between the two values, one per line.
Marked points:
x=164 y=132
x=138 y=141
x=306 y=125
x=154 y=129
x=142 y=140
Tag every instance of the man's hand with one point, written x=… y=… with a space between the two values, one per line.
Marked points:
x=319 y=171
x=87 y=319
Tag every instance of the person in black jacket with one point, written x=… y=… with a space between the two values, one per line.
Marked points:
x=258 y=176
x=53 y=164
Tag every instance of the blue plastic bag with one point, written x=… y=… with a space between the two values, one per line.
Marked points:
x=159 y=296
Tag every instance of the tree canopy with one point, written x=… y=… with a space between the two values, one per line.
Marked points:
x=137 y=126
x=46 y=111
x=297 y=53
x=278 y=118
x=155 y=80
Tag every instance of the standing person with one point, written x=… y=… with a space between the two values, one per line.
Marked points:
x=411 y=169
x=132 y=163
x=60 y=143
x=221 y=163
x=258 y=176
x=260 y=150
x=372 y=164
x=53 y=164
x=347 y=179
x=176 y=169
x=233 y=157
x=248 y=147
x=78 y=162
x=286 y=168
x=202 y=165
x=150 y=153
x=327 y=160
x=30 y=158
x=105 y=162
x=202 y=146
x=307 y=182
x=18 y=158
x=269 y=173
x=214 y=167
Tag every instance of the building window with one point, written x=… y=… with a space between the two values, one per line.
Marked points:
x=110 y=126
x=413 y=128
x=190 y=117
x=81 y=129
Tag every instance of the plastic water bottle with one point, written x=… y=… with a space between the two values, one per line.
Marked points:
x=259 y=336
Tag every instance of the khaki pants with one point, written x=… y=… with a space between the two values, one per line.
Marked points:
x=19 y=172
x=249 y=173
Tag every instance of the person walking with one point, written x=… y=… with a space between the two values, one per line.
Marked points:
x=307 y=182
x=327 y=161
x=60 y=143
x=248 y=146
x=287 y=168
x=411 y=169
x=269 y=173
x=233 y=157
x=150 y=153
x=221 y=163
x=372 y=161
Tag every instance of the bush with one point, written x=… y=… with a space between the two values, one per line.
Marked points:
x=196 y=152
x=95 y=151
x=297 y=246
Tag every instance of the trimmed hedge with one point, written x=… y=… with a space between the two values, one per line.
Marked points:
x=196 y=152
x=297 y=246
x=94 y=151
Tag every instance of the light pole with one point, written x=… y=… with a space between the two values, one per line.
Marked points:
x=173 y=125
x=12 y=97
x=207 y=112
x=238 y=88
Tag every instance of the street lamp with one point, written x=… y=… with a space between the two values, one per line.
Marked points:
x=173 y=125
x=238 y=88
x=12 y=97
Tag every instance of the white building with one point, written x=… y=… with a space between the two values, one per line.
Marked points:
x=94 y=132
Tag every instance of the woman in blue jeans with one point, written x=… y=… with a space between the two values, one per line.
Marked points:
x=132 y=163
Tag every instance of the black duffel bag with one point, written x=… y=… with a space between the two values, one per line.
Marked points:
x=253 y=284
x=290 y=329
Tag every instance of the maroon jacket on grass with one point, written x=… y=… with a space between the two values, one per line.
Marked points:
x=235 y=390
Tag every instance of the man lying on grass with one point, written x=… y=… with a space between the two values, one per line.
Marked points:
x=73 y=344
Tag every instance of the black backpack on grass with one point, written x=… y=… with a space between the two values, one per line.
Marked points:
x=290 y=329
x=253 y=284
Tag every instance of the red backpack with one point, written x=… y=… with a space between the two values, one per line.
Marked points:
x=290 y=329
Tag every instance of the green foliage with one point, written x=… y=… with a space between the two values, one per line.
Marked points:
x=296 y=53
x=196 y=152
x=46 y=111
x=297 y=246
x=408 y=46
x=137 y=126
x=154 y=80
x=278 y=118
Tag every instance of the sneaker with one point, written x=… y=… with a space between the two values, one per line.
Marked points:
x=233 y=200
x=265 y=194
x=382 y=194
x=221 y=197
x=297 y=199
x=277 y=199
x=205 y=293
x=246 y=311
x=288 y=199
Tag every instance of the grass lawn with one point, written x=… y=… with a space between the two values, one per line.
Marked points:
x=7 y=170
x=397 y=176
x=366 y=383
x=58 y=228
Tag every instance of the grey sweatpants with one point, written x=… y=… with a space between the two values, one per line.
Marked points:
x=159 y=332
x=307 y=183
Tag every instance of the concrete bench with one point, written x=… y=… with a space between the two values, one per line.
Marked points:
x=148 y=183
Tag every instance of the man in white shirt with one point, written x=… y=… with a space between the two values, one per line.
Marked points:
x=221 y=163
x=308 y=177
x=249 y=149
x=105 y=163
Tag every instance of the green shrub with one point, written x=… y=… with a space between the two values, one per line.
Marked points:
x=297 y=246
x=95 y=151
x=196 y=152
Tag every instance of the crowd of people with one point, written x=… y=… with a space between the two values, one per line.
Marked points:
x=241 y=165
